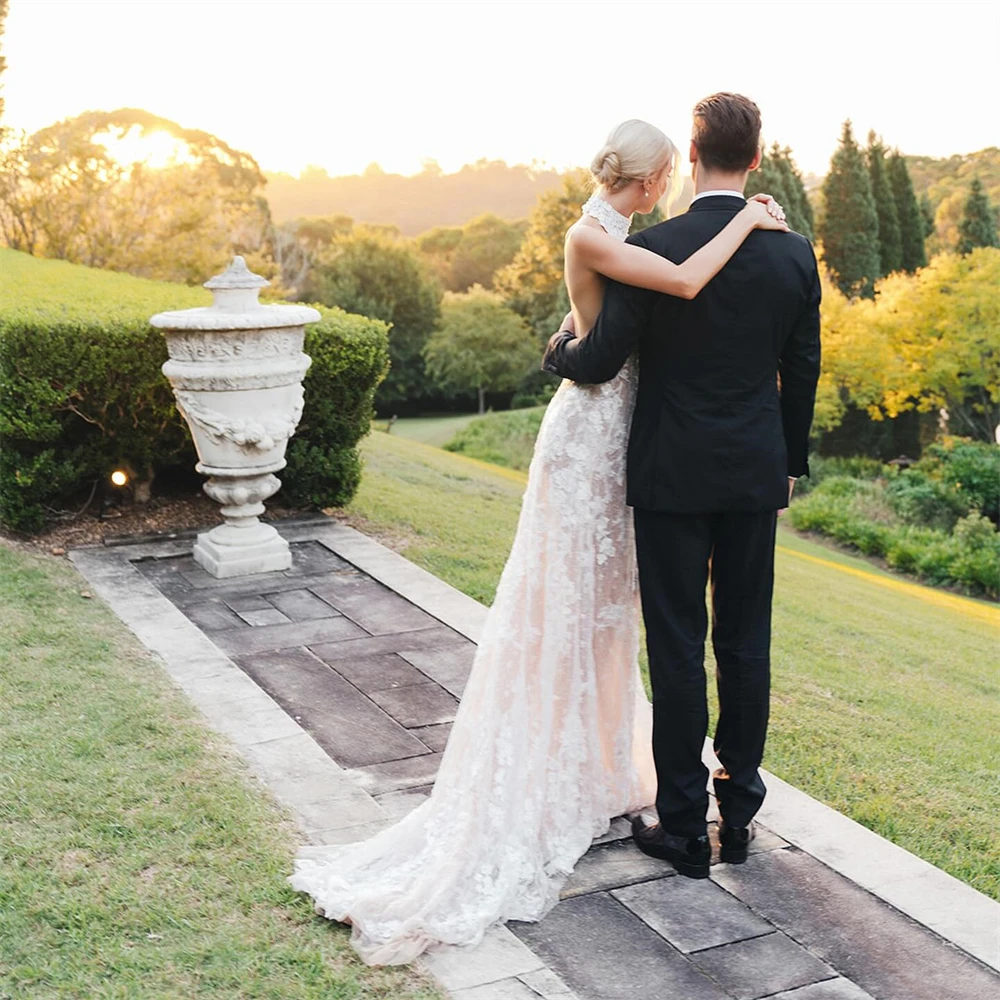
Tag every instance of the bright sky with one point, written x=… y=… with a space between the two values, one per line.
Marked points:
x=342 y=84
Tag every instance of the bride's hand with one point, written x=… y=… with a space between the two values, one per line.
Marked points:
x=766 y=213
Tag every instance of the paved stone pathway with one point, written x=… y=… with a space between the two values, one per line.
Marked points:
x=374 y=679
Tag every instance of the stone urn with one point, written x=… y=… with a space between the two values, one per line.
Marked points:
x=236 y=368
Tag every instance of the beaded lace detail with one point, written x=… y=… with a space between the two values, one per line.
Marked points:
x=615 y=224
x=553 y=735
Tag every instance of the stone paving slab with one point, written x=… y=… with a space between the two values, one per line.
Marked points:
x=862 y=937
x=301 y=605
x=241 y=641
x=435 y=737
x=603 y=951
x=430 y=639
x=761 y=966
x=378 y=673
x=448 y=665
x=500 y=956
x=418 y=704
x=371 y=605
x=395 y=775
x=610 y=865
x=359 y=682
x=349 y=726
x=692 y=914
x=831 y=989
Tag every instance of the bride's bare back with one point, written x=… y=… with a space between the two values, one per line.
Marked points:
x=593 y=252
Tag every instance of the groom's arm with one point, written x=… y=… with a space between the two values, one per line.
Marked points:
x=599 y=356
x=799 y=366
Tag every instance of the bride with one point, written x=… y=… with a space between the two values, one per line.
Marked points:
x=552 y=738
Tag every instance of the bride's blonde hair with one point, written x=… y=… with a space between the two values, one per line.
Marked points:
x=633 y=151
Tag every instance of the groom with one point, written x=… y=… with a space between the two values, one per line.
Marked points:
x=721 y=427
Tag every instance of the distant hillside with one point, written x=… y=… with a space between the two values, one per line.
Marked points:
x=414 y=204
x=946 y=183
x=940 y=177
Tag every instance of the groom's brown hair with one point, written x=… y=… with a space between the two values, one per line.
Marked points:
x=726 y=131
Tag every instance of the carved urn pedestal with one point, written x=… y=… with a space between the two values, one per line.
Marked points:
x=236 y=368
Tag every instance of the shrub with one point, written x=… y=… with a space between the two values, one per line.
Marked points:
x=81 y=390
x=853 y=512
x=822 y=468
x=506 y=438
x=918 y=499
x=970 y=467
x=350 y=357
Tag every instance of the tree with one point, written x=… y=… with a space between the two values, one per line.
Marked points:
x=912 y=221
x=69 y=191
x=480 y=346
x=369 y=273
x=945 y=182
x=926 y=212
x=769 y=179
x=931 y=340
x=889 y=237
x=488 y=244
x=978 y=227
x=645 y=220
x=532 y=284
x=437 y=246
x=850 y=222
x=778 y=176
x=294 y=245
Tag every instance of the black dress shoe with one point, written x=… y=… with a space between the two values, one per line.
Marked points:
x=689 y=855
x=734 y=841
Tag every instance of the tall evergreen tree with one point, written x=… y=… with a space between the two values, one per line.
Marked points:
x=850 y=224
x=978 y=227
x=778 y=176
x=808 y=221
x=767 y=178
x=889 y=237
x=927 y=213
x=912 y=225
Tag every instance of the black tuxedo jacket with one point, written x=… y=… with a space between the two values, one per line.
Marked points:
x=712 y=431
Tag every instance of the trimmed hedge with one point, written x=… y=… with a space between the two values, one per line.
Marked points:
x=81 y=391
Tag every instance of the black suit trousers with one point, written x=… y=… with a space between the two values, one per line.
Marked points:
x=678 y=554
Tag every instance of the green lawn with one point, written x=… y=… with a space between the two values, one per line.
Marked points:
x=885 y=692
x=137 y=860
x=435 y=430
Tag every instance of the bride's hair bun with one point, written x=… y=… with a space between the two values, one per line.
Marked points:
x=634 y=151
x=607 y=167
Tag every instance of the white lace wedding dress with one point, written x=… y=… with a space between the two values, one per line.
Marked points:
x=552 y=738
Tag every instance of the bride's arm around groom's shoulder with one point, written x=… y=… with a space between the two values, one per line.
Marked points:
x=599 y=355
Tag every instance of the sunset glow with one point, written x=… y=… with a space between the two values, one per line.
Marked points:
x=152 y=149
x=342 y=85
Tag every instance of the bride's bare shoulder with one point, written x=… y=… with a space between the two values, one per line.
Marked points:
x=585 y=233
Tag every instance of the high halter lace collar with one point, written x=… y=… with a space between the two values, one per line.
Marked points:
x=614 y=223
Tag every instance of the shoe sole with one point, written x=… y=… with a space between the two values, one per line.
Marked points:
x=734 y=856
x=682 y=867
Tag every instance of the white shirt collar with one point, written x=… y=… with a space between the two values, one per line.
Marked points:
x=716 y=194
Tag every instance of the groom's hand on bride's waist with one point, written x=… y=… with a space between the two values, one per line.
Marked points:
x=562 y=336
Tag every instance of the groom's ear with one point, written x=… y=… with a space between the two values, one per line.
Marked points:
x=693 y=152
x=755 y=162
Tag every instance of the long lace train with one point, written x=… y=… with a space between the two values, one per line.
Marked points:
x=552 y=738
